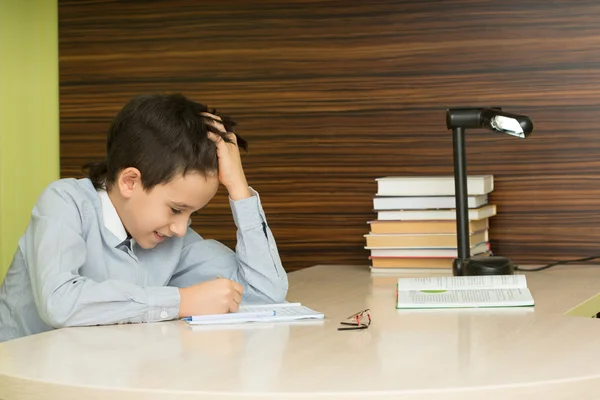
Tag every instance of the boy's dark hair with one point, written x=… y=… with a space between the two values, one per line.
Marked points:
x=162 y=136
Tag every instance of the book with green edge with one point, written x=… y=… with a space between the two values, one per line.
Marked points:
x=463 y=292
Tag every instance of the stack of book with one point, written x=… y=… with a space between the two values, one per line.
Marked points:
x=416 y=221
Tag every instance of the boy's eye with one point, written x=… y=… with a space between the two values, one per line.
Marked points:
x=175 y=211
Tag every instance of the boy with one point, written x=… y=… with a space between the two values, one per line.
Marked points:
x=117 y=248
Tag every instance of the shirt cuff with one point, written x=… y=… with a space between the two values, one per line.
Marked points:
x=163 y=303
x=247 y=213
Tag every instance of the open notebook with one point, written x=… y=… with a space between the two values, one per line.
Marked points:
x=463 y=291
x=258 y=313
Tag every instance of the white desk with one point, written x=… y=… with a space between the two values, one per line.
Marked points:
x=428 y=354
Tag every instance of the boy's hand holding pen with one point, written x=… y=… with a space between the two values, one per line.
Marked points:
x=218 y=296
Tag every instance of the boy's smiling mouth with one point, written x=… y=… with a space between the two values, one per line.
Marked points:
x=159 y=237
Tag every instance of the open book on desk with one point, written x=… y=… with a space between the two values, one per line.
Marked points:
x=463 y=291
x=258 y=313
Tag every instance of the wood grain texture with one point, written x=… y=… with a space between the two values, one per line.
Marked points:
x=332 y=94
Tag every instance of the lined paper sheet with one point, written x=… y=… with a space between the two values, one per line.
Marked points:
x=282 y=312
x=465 y=298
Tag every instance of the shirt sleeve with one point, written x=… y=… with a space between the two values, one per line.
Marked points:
x=255 y=264
x=55 y=250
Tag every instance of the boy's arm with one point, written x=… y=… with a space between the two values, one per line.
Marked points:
x=55 y=250
x=255 y=264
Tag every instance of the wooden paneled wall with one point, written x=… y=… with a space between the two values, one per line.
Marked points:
x=332 y=94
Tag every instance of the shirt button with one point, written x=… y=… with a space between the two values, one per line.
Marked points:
x=164 y=314
x=272 y=247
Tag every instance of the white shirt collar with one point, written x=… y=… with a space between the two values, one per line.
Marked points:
x=112 y=222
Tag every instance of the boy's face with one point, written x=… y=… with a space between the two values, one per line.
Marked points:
x=151 y=217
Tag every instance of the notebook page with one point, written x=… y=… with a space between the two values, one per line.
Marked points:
x=465 y=298
x=262 y=307
x=293 y=311
x=463 y=282
x=260 y=313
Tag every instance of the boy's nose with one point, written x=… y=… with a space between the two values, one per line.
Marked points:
x=179 y=229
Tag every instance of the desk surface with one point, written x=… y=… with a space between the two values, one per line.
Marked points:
x=451 y=354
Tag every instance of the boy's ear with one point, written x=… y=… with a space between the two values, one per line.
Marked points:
x=129 y=180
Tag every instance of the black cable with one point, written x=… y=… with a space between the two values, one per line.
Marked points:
x=517 y=268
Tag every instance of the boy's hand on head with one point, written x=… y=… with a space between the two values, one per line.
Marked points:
x=218 y=296
x=231 y=172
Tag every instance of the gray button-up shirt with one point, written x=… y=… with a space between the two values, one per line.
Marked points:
x=74 y=265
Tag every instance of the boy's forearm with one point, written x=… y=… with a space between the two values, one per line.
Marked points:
x=256 y=252
x=239 y=191
x=262 y=270
x=110 y=302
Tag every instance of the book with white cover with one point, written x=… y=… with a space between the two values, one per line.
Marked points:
x=463 y=291
x=432 y=185
x=412 y=215
x=425 y=202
